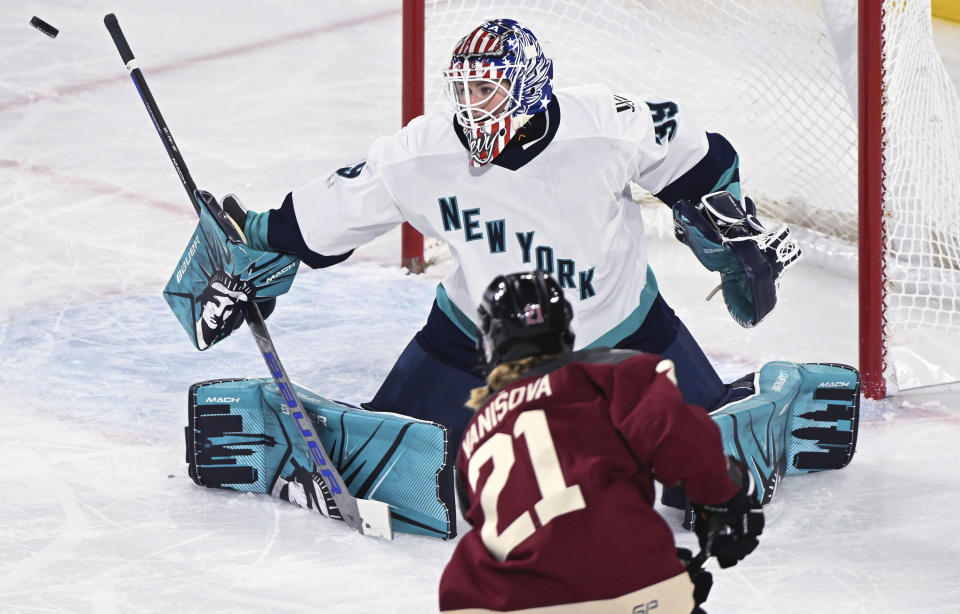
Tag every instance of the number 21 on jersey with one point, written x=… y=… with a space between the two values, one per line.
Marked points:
x=556 y=497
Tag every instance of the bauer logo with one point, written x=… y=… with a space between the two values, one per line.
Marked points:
x=186 y=261
x=781 y=380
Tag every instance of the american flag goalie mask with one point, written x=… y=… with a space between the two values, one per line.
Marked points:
x=498 y=77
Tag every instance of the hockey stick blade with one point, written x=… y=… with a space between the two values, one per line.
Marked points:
x=367 y=518
x=375 y=516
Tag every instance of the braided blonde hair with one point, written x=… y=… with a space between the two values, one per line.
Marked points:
x=503 y=374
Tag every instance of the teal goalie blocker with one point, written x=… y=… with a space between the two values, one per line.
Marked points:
x=239 y=438
x=217 y=277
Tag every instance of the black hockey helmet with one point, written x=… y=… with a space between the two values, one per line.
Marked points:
x=524 y=314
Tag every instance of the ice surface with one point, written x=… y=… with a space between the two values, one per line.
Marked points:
x=98 y=514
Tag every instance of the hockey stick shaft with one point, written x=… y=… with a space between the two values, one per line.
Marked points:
x=113 y=26
x=698 y=560
x=375 y=517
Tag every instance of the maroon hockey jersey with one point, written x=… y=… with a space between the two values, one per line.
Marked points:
x=557 y=471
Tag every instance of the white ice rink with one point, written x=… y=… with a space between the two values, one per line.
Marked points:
x=97 y=513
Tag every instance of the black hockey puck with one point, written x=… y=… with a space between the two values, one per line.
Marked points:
x=44 y=27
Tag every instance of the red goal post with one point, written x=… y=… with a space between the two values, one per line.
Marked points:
x=870 y=199
x=411 y=241
x=846 y=126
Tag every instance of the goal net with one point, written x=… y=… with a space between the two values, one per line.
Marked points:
x=779 y=79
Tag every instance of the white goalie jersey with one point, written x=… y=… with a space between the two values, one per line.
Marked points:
x=567 y=210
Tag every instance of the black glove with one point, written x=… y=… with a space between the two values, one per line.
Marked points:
x=729 y=530
x=701 y=578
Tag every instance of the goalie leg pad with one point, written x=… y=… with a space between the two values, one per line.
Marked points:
x=801 y=418
x=824 y=421
x=238 y=438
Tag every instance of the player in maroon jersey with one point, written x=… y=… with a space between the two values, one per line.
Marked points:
x=556 y=469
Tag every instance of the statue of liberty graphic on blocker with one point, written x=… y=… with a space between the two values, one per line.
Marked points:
x=221 y=307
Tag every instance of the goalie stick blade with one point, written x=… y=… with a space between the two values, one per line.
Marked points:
x=375 y=518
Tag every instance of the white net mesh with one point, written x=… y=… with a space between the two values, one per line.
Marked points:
x=778 y=79
x=704 y=58
x=921 y=118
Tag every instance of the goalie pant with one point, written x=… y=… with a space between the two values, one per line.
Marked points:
x=562 y=515
x=432 y=378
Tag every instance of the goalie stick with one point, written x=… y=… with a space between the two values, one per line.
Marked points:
x=366 y=516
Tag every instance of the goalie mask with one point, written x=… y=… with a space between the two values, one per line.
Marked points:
x=524 y=314
x=498 y=77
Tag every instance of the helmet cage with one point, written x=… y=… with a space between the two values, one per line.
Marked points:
x=482 y=75
x=503 y=54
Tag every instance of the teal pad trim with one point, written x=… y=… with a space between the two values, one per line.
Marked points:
x=238 y=438
x=802 y=418
x=255 y=229
x=460 y=319
x=632 y=322
x=725 y=182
